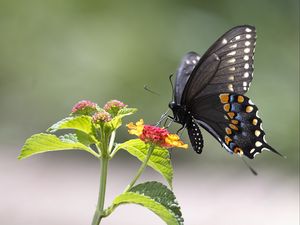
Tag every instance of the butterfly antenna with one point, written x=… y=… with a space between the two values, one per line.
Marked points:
x=148 y=89
x=249 y=167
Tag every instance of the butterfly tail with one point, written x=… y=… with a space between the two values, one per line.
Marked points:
x=274 y=151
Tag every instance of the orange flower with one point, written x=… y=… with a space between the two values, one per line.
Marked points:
x=136 y=129
x=174 y=140
x=155 y=135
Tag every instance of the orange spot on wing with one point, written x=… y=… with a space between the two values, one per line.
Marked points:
x=226 y=107
x=234 y=127
x=240 y=99
x=231 y=115
x=235 y=121
x=254 y=121
x=228 y=130
x=249 y=109
x=238 y=150
x=227 y=140
x=224 y=98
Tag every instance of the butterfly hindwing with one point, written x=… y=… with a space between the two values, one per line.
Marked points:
x=233 y=120
x=227 y=66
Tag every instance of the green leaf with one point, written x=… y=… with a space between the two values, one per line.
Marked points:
x=156 y=197
x=159 y=160
x=116 y=122
x=80 y=123
x=126 y=111
x=40 y=143
x=83 y=123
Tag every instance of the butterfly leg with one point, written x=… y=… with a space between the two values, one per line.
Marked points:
x=181 y=128
x=171 y=121
x=162 y=117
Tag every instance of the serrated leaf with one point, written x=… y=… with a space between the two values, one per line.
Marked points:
x=156 y=197
x=126 y=111
x=42 y=142
x=83 y=123
x=79 y=123
x=159 y=160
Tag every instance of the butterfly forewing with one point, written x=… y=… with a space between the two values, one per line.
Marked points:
x=227 y=66
x=187 y=65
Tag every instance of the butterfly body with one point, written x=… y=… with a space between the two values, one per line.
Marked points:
x=209 y=93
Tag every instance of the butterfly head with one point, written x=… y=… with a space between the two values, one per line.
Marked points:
x=179 y=112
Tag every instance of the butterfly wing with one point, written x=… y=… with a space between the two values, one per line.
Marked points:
x=233 y=120
x=187 y=65
x=195 y=135
x=227 y=66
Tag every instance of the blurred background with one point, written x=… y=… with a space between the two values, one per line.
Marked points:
x=54 y=53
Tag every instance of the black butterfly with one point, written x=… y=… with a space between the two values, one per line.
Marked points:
x=209 y=92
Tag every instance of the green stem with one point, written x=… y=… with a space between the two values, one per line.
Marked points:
x=100 y=205
x=111 y=208
x=141 y=169
x=111 y=141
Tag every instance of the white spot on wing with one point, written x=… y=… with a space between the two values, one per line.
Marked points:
x=257 y=133
x=247 y=50
x=246 y=66
x=248 y=29
x=252 y=150
x=256 y=114
x=198 y=57
x=238 y=37
x=187 y=61
x=246 y=57
x=231 y=60
x=245 y=84
x=194 y=61
x=265 y=149
x=232 y=68
x=258 y=144
x=231 y=78
x=230 y=87
x=233 y=46
x=248 y=36
x=224 y=41
x=261 y=126
x=246 y=74
x=231 y=53
x=247 y=43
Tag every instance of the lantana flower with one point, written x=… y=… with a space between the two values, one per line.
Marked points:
x=155 y=135
x=101 y=116
x=84 y=107
x=114 y=106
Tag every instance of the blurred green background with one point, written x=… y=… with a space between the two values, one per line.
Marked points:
x=54 y=53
